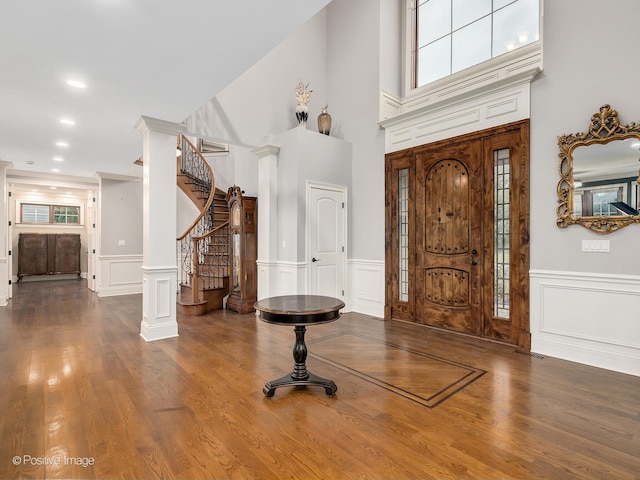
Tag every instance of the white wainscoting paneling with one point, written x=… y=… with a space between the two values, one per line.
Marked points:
x=365 y=283
x=281 y=278
x=119 y=275
x=365 y=280
x=291 y=278
x=587 y=318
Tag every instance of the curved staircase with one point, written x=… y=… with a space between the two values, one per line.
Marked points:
x=203 y=249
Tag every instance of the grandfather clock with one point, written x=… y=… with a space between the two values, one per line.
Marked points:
x=243 y=224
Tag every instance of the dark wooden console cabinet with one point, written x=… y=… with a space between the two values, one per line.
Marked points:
x=48 y=254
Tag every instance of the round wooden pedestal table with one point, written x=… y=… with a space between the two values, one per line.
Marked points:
x=299 y=311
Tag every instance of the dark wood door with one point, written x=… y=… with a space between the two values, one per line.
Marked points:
x=449 y=207
x=457 y=234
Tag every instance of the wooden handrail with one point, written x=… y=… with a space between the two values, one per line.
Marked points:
x=211 y=232
x=211 y=194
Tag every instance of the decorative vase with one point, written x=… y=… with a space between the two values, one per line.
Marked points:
x=302 y=114
x=324 y=121
x=303 y=94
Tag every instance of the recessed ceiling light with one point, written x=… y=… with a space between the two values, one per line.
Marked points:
x=67 y=121
x=58 y=159
x=76 y=84
x=62 y=144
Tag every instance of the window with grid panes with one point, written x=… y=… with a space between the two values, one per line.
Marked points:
x=451 y=35
x=50 y=214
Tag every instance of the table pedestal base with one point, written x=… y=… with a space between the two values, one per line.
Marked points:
x=312 y=380
x=300 y=375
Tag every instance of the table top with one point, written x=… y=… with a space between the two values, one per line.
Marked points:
x=299 y=309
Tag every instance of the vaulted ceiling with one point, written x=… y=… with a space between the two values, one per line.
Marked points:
x=157 y=58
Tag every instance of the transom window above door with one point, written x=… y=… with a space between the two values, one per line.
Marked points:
x=451 y=35
x=49 y=214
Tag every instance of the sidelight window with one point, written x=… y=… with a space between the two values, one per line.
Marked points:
x=501 y=230
x=403 y=234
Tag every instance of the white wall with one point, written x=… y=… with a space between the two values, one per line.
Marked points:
x=305 y=156
x=120 y=217
x=588 y=62
x=119 y=246
x=261 y=102
x=353 y=71
x=584 y=306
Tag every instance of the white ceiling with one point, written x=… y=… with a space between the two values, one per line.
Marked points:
x=158 y=58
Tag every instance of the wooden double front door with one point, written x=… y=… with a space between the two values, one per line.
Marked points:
x=457 y=224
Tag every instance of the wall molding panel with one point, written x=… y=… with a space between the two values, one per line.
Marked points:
x=119 y=275
x=587 y=318
x=493 y=93
x=281 y=278
x=365 y=287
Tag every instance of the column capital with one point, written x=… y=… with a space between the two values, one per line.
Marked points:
x=147 y=124
x=266 y=150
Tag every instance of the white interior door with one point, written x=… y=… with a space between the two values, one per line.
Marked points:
x=10 y=214
x=91 y=242
x=326 y=240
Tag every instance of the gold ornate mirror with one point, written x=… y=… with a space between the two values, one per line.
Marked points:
x=599 y=175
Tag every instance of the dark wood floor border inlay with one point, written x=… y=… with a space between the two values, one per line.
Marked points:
x=422 y=378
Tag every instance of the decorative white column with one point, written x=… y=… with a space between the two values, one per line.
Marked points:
x=267 y=218
x=159 y=268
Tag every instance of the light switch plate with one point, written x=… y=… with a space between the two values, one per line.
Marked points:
x=596 y=246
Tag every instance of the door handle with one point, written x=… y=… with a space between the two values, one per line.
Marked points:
x=474 y=262
x=314 y=259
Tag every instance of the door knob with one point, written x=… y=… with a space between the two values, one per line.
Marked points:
x=474 y=262
x=314 y=259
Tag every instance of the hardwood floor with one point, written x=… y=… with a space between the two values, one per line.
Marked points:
x=81 y=391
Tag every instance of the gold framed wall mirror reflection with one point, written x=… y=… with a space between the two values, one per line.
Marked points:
x=600 y=175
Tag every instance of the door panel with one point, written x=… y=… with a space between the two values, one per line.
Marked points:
x=506 y=238
x=448 y=280
x=91 y=246
x=463 y=218
x=327 y=240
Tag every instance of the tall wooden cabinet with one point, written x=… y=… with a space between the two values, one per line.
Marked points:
x=48 y=254
x=244 y=251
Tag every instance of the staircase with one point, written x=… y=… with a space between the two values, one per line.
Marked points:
x=203 y=249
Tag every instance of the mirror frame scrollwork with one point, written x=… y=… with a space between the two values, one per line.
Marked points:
x=605 y=127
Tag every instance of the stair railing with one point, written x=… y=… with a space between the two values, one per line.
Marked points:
x=210 y=258
x=193 y=244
